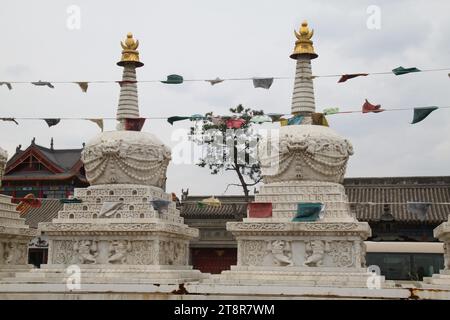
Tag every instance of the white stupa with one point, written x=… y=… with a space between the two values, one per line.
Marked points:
x=124 y=228
x=309 y=167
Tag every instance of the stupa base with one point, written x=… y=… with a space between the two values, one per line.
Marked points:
x=442 y=279
x=14 y=238
x=302 y=277
x=106 y=274
x=301 y=253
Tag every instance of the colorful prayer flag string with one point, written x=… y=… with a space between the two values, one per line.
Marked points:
x=257 y=82
x=420 y=113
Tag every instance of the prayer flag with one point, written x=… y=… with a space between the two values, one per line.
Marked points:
x=134 y=124
x=400 y=70
x=171 y=120
x=52 y=122
x=43 y=83
x=368 y=107
x=99 y=122
x=308 y=211
x=422 y=113
x=346 y=77
x=83 y=86
x=6 y=84
x=265 y=83
x=296 y=120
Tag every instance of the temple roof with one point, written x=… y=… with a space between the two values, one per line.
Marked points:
x=396 y=191
x=392 y=189
x=59 y=164
x=360 y=190
x=64 y=158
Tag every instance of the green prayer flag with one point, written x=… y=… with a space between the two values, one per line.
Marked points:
x=422 y=113
x=329 y=111
x=295 y=120
x=307 y=211
x=260 y=119
x=197 y=116
x=171 y=120
x=400 y=70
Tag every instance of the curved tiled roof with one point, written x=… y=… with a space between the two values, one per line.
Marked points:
x=359 y=190
x=395 y=192
x=225 y=211
x=64 y=159
x=392 y=191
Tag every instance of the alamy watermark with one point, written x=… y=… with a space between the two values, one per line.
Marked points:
x=73 y=21
x=373 y=21
x=234 y=146
x=73 y=280
x=374 y=279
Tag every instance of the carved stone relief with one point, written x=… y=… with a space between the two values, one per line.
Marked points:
x=118 y=251
x=342 y=253
x=142 y=253
x=63 y=252
x=87 y=251
x=172 y=253
x=315 y=253
x=252 y=252
x=281 y=252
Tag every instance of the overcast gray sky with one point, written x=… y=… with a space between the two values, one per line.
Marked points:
x=206 y=39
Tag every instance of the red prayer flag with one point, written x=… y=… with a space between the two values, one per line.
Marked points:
x=235 y=123
x=260 y=210
x=368 y=107
x=346 y=77
x=134 y=124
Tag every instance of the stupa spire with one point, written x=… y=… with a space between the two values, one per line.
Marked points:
x=128 y=100
x=303 y=95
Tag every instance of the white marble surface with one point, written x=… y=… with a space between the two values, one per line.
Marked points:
x=126 y=157
x=14 y=233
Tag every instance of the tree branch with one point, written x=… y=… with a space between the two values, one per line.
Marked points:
x=231 y=184
x=254 y=183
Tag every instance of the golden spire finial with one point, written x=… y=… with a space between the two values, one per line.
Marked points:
x=304 y=45
x=129 y=53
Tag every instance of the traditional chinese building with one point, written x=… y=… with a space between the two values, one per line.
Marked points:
x=44 y=172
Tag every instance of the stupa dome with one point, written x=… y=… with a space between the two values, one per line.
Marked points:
x=305 y=153
x=126 y=157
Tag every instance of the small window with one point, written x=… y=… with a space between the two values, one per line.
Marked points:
x=142 y=215
x=134 y=192
x=85 y=208
x=131 y=208
x=71 y=216
x=97 y=200
x=144 y=200
x=94 y=216
x=121 y=199
x=111 y=193
x=118 y=215
x=88 y=193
